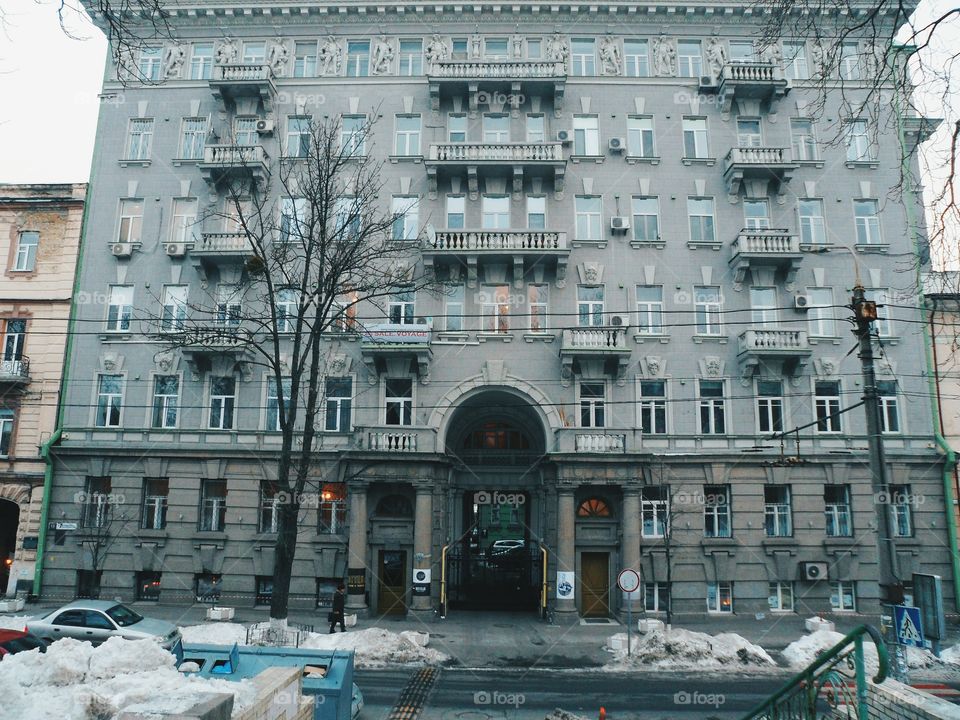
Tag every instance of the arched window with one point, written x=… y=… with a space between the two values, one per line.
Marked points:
x=395 y=506
x=594 y=508
x=496 y=436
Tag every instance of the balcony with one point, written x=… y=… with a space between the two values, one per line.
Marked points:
x=215 y=249
x=756 y=81
x=398 y=440
x=788 y=347
x=397 y=349
x=770 y=249
x=522 y=248
x=511 y=159
x=517 y=77
x=756 y=167
x=234 y=82
x=600 y=443
x=226 y=345
x=15 y=371
x=599 y=349
x=234 y=162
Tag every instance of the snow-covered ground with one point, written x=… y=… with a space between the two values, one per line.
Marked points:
x=75 y=681
x=14 y=622
x=375 y=647
x=804 y=651
x=682 y=650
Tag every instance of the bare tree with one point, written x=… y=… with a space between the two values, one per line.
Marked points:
x=103 y=524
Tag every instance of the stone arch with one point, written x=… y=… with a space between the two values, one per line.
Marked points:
x=18 y=494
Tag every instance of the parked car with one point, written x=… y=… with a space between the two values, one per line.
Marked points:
x=14 y=641
x=98 y=620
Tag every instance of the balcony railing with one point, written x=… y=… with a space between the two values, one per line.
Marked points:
x=509 y=152
x=762 y=72
x=759 y=156
x=234 y=155
x=243 y=79
x=223 y=243
x=778 y=342
x=751 y=80
x=595 y=339
x=600 y=443
x=393 y=442
x=215 y=338
x=242 y=72
x=493 y=240
x=506 y=69
x=766 y=247
x=758 y=163
x=15 y=370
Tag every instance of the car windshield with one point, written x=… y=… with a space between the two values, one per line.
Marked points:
x=123 y=616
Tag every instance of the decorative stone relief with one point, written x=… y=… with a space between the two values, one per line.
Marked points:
x=772 y=53
x=111 y=362
x=476 y=44
x=338 y=364
x=517 y=43
x=591 y=273
x=166 y=361
x=437 y=50
x=381 y=58
x=173 y=61
x=716 y=56
x=818 y=56
x=655 y=365
x=826 y=367
x=557 y=47
x=277 y=57
x=611 y=60
x=227 y=52
x=664 y=57
x=711 y=366
x=330 y=57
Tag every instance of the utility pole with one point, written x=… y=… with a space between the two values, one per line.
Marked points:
x=891 y=588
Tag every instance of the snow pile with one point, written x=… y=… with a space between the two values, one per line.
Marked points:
x=77 y=681
x=215 y=633
x=13 y=622
x=804 y=651
x=951 y=655
x=681 y=649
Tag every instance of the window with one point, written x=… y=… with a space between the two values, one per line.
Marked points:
x=590 y=305
x=148 y=585
x=850 y=68
x=653 y=407
x=884 y=299
x=276 y=402
x=717 y=521
x=495 y=49
x=748 y=132
x=592 y=402
x=594 y=507
x=154 y=512
x=802 y=140
x=636 y=58
x=650 y=309
x=193 y=134
x=589 y=223
x=287 y=307
x=406 y=217
x=901 y=503
x=109 y=400
x=689 y=58
x=96 y=503
x=776 y=511
x=495 y=308
x=756 y=214
x=495 y=212
x=836 y=508
x=207 y=587
x=348 y=216
x=536 y=128
x=353 y=129
x=148 y=64
x=339 y=398
x=889 y=412
x=654 y=511
x=293 y=219
x=26 y=258
x=131 y=221
x=411 y=57
x=332 y=515
x=582 y=56
x=536 y=212
x=534 y=48
x=826 y=403
x=456 y=212
x=640 y=137
x=763 y=305
x=201 y=61
x=398 y=397
x=14 y=338
x=538 y=296
x=708 y=308
x=795 y=60
x=700 y=211
x=453 y=308
x=769 y=406
x=245 y=131
x=813 y=229
x=229 y=307
x=213 y=505
x=343 y=313
x=866 y=217
x=586 y=135
x=305 y=59
x=88 y=586
x=166 y=394
x=456 y=127
x=183 y=226
x=254 y=53
x=6 y=431
x=712 y=407
x=780 y=596
x=298 y=136
x=656 y=596
x=269 y=516
x=223 y=399
x=140 y=139
x=695 y=138
x=859 y=146
x=646 y=219
x=843 y=597
x=496 y=128
x=720 y=597
x=458 y=48
x=401 y=306
x=408 y=135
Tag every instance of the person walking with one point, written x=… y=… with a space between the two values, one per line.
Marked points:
x=336 y=615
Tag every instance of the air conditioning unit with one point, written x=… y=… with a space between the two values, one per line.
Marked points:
x=801 y=302
x=619 y=320
x=122 y=249
x=564 y=136
x=619 y=223
x=707 y=83
x=265 y=126
x=176 y=249
x=813 y=571
x=616 y=145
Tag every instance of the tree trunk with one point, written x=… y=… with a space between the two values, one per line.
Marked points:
x=285 y=552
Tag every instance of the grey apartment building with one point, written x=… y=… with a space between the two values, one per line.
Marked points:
x=647 y=245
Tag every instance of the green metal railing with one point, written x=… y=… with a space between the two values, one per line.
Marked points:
x=835 y=679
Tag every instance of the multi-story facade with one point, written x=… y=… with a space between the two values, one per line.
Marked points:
x=647 y=249
x=39 y=242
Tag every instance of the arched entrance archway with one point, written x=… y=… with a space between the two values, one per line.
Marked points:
x=9 y=522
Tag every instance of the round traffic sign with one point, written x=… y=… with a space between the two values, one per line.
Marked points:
x=628 y=580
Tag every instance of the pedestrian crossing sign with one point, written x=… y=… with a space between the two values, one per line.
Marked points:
x=908 y=627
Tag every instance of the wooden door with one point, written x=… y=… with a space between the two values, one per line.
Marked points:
x=595 y=584
x=392 y=595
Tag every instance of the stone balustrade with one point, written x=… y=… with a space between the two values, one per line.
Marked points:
x=508 y=152
x=600 y=443
x=507 y=69
x=493 y=240
x=223 y=243
x=776 y=341
x=759 y=156
x=242 y=72
x=600 y=339
x=752 y=72
x=234 y=155
x=766 y=241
